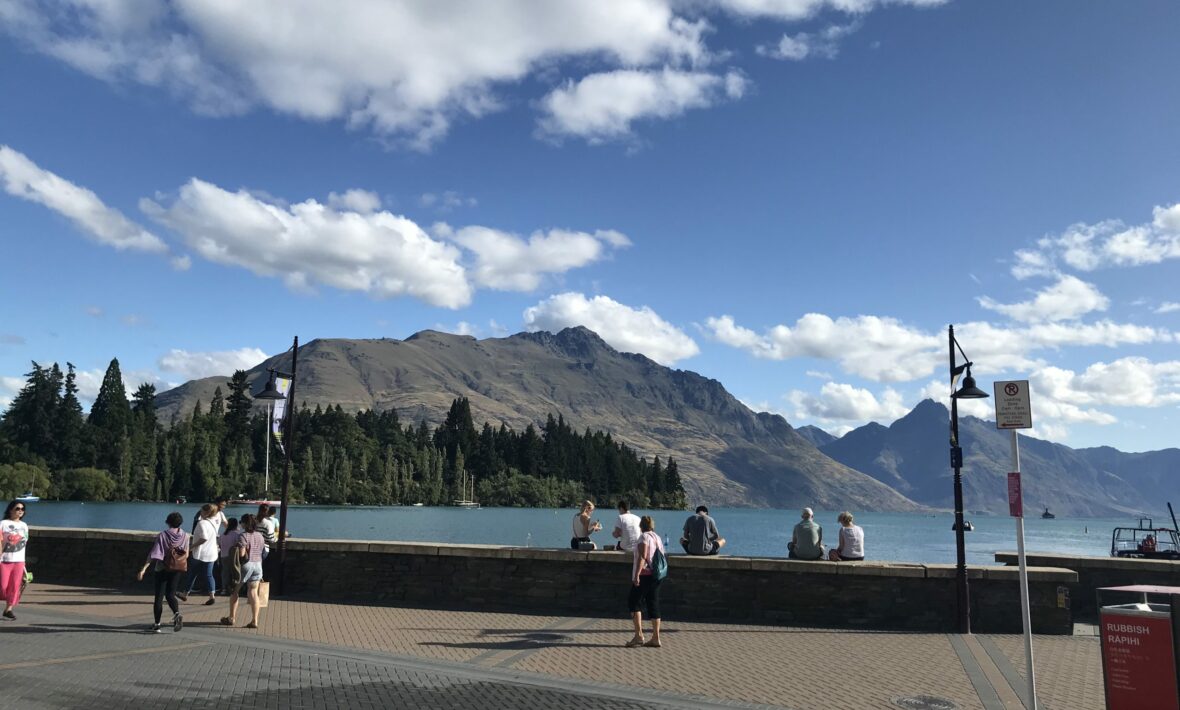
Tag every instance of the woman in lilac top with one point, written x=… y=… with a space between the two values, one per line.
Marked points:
x=172 y=538
x=645 y=587
x=249 y=549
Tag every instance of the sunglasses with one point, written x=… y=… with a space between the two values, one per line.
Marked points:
x=19 y=509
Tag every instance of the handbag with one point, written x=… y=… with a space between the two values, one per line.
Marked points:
x=263 y=594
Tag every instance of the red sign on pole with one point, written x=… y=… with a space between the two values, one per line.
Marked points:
x=1015 y=498
x=1137 y=657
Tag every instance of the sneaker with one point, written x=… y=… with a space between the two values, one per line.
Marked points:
x=155 y=629
x=177 y=622
x=182 y=596
x=210 y=601
x=9 y=615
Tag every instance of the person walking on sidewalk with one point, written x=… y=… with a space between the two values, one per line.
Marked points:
x=645 y=584
x=14 y=536
x=249 y=548
x=204 y=549
x=169 y=559
x=231 y=559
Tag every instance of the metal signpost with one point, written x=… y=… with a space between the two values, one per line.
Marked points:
x=1014 y=411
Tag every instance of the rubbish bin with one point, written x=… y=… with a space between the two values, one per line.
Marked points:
x=1139 y=647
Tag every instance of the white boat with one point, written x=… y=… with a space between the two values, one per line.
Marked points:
x=468 y=499
x=255 y=502
x=417 y=505
x=28 y=497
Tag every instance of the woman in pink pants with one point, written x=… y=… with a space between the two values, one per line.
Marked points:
x=14 y=535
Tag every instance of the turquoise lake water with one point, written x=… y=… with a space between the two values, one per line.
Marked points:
x=896 y=537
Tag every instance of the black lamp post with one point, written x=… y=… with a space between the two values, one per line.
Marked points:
x=968 y=391
x=272 y=393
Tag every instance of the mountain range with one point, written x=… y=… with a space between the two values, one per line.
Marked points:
x=912 y=456
x=727 y=454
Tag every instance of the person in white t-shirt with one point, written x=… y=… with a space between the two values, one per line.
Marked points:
x=852 y=541
x=14 y=535
x=204 y=553
x=626 y=528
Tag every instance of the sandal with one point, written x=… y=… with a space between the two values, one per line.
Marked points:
x=637 y=641
x=226 y=621
x=652 y=644
x=210 y=601
x=251 y=625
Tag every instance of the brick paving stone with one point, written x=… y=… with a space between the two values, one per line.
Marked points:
x=1068 y=668
x=289 y=661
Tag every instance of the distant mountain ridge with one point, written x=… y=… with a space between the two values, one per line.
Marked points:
x=912 y=456
x=727 y=454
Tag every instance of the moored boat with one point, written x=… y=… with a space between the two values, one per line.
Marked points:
x=1047 y=515
x=28 y=497
x=1146 y=541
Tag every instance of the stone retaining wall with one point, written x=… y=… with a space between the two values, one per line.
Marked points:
x=870 y=595
x=1096 y=572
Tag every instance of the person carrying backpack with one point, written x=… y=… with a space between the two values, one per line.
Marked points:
x=648 y=569
x=169 y=559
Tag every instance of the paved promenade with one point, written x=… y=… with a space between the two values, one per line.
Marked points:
x=85 y=648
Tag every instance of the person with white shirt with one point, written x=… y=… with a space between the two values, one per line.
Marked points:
x=626 y=528
x=204 y=553
x=852 y=541
x=14 y=536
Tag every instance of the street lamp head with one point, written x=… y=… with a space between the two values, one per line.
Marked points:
x=969 y=390
x=272 y=392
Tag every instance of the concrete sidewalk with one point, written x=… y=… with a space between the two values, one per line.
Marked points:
x=71 y=647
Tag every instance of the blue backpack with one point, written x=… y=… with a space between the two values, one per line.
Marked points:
x=659 y=565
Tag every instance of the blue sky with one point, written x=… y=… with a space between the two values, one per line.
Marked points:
x=794 y=197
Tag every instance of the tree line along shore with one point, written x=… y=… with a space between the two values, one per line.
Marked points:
x=120 y=452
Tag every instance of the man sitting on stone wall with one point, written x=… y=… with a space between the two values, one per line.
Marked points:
x=700 y=535
x=807 y=540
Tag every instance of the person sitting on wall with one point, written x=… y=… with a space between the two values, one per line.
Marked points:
x=626 y=528
x=807 y=539
x=1148 y=544
x=583 y=528
x=852 y=541
x=700 y=536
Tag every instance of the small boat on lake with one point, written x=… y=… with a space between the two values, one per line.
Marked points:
x=1145 y=541
x=1047 y=515
x=256 y=502
x=28 y=497
x=968 y=526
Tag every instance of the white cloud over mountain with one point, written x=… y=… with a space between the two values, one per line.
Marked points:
x=508 y=262
x=310 y=243
x=195 y=365
x=635 y=330
x=23 y=178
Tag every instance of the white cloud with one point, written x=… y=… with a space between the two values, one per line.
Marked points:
x=624 y=328
x=791 y=10
x=1067 y=299
x=23 y=178
x=9 y=388
x=839 y=403
x=872 y=347
x=1088 y=247
x=405 y=69
x=460 y=328
x=1168 y=307
x=1126 y=382
x=824 y=44
x=603 y=106
x=195 y=365
x=94 y=311
x=355 y=200
x=508 y=262
x=310 y=243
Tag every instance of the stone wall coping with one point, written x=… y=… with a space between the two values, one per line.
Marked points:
x=1059 y=572
x=1092 y=561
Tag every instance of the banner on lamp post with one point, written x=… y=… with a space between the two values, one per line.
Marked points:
x=283 y=385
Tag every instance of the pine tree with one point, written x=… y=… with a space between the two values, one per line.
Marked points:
x=71 y=425
x=238 y=405
x=110 y=417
